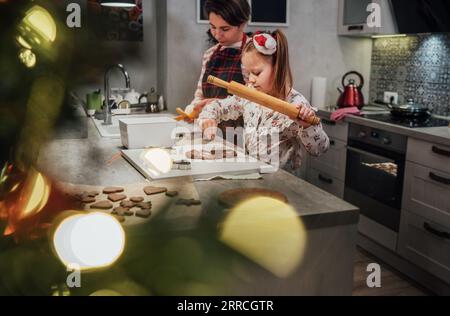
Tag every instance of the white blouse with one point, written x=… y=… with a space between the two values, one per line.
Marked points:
x=261 y=122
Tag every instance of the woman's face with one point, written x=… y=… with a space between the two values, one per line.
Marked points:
x=260 y=71
x=223 y=32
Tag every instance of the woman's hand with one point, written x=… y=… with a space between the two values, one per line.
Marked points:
x=199 y=106
x=303 y=115
x=209 y=129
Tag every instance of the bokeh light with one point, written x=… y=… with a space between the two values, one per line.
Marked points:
x=158 y=161
x=267 y=231
x=39 y=20
x=27 y=57
x=91 y=241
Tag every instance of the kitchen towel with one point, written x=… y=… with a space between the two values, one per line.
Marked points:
x=319 y=92
x=253 y=176
x=340 y=114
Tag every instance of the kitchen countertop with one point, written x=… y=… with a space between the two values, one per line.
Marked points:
x=169 y=258
x=85 y=162
x=438 y=135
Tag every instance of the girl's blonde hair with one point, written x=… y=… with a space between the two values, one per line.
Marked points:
x=282 y=73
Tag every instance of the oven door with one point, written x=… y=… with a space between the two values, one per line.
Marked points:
x=374 y=183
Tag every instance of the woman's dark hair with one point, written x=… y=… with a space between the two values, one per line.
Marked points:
x=234 y=12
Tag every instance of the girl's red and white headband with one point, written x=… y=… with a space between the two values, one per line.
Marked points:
x=265 y=43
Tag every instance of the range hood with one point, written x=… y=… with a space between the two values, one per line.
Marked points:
x=422 y=16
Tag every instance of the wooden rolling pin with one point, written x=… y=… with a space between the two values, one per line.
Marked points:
x=261 y=98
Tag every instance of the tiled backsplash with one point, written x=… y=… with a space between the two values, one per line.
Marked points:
x=416 y=67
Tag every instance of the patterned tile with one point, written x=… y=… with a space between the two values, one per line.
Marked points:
x=416 y=67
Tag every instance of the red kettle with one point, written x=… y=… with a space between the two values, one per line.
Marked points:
x=351 y=95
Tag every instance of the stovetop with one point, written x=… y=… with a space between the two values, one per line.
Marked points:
x=408 y=122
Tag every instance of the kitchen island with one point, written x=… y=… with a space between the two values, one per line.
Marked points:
x=331 y=224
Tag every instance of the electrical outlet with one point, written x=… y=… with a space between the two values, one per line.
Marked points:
x=391 y=97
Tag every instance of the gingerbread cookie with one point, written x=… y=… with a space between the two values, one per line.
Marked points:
x=85 y=199
x=121 y=211
x=137 y=199
x=154 y=190
x=194 y=154
x=145 y=213
x=102 y=205
x=144 y=205
x=127 y=204
x=116 y=197
x=171 y=193
x=110 y=190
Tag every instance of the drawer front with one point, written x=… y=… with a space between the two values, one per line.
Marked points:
x=425 y=244
x=333 y=162
x=336 y=130
x=428 y=154
x=426 y=193
x=326 y=182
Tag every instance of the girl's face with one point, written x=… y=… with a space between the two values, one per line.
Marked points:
x=223 y=32
x=260 y=71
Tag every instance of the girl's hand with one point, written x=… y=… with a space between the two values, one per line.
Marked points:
x=209 y=128
x=303 y=115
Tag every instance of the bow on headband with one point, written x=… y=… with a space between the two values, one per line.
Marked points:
x=265 y=43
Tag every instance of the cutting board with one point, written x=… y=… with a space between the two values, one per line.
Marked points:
x=242 y=164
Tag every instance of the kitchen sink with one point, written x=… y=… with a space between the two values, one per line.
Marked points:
x=113 y=131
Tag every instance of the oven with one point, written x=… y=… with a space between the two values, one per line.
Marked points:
x=374 y=181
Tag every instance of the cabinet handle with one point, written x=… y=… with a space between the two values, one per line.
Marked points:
x=440 y=151
x=439 y=179
x=356 y=28
x=326 y=180
x=328 y=122
x=436 y=232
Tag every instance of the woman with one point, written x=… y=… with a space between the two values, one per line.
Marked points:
x=227 y=19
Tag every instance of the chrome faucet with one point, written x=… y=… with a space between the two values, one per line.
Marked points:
x=107 y=108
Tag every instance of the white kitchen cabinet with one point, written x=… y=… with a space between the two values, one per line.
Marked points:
x=424 y=237
x=333 y=163
x=429 y=154
x=335 y=130
x=328 y=171
x=426 y=194
x=426 y=244
x=353 y=18
x=326 y=182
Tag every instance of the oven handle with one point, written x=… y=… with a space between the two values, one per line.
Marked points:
x=363 y=152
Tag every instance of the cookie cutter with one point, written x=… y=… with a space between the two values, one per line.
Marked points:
x=182 y=165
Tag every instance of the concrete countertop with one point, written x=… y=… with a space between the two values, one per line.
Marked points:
x=438 y=135
x=95 y=161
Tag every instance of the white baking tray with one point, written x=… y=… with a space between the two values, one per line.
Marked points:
x=242 y=164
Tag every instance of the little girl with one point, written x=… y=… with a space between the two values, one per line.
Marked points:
x=266 y=59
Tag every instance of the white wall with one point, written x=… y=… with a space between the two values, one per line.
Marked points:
x=315 y=48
